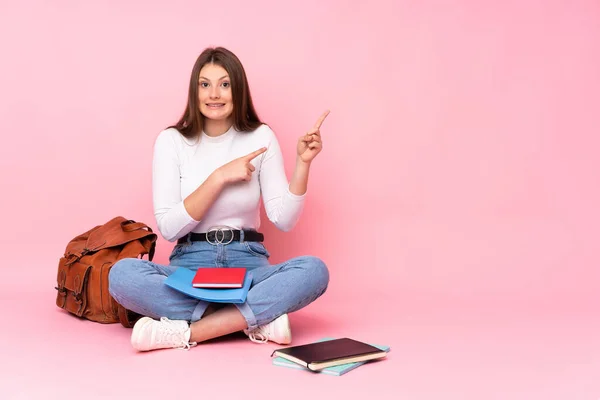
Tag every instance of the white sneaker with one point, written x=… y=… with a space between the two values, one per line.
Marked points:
x=150 y=334
x=278 y=331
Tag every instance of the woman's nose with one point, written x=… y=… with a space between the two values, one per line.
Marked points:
x=214 y=93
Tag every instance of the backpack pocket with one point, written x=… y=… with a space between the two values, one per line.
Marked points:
x=71 y=286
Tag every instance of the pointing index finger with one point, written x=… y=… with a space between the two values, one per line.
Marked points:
x=321 y=119
x=256 y=153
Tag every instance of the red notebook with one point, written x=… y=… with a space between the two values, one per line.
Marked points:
x=222 y=277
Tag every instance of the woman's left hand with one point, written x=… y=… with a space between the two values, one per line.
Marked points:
x=310 y=144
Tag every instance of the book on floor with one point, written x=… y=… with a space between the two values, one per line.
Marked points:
x=181 y=280
x=330 y=353
x=227 y=278
x=336 y=370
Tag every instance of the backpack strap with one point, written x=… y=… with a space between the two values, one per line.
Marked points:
x=117 y=232
x=130 y=226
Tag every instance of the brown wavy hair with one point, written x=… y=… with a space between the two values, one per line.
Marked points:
x=191 y=122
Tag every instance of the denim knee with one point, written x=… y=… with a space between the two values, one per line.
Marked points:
x=118 y=276
x=318 y=273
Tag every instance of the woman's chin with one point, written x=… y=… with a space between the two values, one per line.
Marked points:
x=217 y=115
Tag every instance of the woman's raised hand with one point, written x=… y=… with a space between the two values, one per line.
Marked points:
x=310 y=144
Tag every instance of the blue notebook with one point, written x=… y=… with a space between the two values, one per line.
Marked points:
x=181 y=280
x=335 y=371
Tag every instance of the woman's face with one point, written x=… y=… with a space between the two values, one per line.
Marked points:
x=214 y=92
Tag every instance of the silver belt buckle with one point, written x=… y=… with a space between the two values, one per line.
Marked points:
x=219 y=239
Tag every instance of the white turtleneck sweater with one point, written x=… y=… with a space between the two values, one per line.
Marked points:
x=180 y=165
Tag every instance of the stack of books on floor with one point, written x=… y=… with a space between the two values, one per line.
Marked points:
x=329 y=356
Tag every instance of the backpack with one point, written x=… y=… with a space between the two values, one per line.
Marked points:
x=82 y=280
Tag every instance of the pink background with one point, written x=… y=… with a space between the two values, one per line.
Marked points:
x=455 y=201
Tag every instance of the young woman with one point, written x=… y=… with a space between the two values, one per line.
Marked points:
x=210 y=171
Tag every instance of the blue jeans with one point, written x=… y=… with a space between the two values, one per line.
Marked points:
x=276 y=289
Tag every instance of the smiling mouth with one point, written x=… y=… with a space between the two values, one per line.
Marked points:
x=215 y=105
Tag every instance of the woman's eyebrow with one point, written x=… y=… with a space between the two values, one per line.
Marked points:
x=221 y=78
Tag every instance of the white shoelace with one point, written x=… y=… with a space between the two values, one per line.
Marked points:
x=172 y=334
x=258 y=336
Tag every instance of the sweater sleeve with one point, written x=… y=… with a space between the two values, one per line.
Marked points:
x=171 y=216
x=283 y=208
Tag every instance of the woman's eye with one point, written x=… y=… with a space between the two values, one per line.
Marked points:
x=225 y=84
x=204 y=84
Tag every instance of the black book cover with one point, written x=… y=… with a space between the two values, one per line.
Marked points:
x=329 y=350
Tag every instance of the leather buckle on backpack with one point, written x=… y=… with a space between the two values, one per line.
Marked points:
x=74 y=257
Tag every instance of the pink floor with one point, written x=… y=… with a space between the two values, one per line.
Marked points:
x=455 y=352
